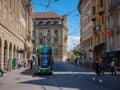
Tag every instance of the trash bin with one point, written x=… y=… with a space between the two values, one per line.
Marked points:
x=14 y=63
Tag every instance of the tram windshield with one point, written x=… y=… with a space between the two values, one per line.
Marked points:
x=44 y=59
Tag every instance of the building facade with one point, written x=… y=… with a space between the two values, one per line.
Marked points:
x=105 y=17
x=15 y=31
x=113 y=31
x=54 y=27
x=99 y=26
x=86 y=31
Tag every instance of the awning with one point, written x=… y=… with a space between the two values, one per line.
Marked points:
x=99 y=46
x=20 y=51
x=111 y=54
x=104 y=55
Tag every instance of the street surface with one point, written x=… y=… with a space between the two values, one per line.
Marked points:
x=67 y=76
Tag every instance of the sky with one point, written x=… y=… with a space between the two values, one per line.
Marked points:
x=63 y=7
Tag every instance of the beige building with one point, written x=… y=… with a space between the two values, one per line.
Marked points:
x=86 y=31
x=98 y=19
x=15 y=31
x=55 y=28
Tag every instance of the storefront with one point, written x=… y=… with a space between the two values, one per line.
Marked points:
x=109 y=56
x=98 y=49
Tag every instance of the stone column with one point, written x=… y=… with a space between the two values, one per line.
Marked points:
x=7 y=57
x=2 y=56
x=0 y=53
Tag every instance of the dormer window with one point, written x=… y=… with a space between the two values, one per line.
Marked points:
x=48 y=23
x=41 y=23
x=34 y=23
x=55 y=23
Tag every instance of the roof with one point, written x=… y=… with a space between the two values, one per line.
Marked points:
x=42 y=48
x=46 y=15
x=50 y=17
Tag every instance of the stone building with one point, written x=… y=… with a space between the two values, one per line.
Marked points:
x=15 y=31
x=86 y=31
x=112 y=31
x=55 y=28
x=98 y=19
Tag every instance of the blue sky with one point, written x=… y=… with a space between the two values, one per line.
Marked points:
x=63 y=7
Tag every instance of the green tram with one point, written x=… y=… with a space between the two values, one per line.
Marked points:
x=44 y=59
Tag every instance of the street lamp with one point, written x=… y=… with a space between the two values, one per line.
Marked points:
x=44 y=34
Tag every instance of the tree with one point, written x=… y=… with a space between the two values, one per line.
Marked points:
x=75 y=52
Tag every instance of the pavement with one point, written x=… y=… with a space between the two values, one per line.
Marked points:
x=110 y=81
x=16 y=75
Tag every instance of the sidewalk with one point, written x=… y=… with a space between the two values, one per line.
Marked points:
x=16 y=75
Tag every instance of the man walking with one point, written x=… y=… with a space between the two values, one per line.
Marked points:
x=31 y=64
x=113 y=68
x=97 y=68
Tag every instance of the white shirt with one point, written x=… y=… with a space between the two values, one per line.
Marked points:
x=112 y=63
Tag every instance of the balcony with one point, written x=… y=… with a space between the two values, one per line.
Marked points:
x=114 y=5
x=101 y=11
x=93 y=17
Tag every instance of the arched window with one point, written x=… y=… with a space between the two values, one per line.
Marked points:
x=41 y=23
x=34 y=23
x=48 y=23
x=55 y=23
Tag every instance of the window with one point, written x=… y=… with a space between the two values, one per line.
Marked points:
x=55 y=23
x=48 y=40
x=41 y=23
x=33 y=32
x=48 y=33
x=94 y=10
x=40 y=33
x=55 y=51
x=41 y=41
x=34 y=23
x=48 y=23
x=101 y=3
x=55 y=40
x=56 y=32
x=102 y=19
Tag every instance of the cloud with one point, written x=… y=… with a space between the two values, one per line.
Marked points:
x=72 y=42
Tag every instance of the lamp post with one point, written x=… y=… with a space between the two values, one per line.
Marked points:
x=44 y=34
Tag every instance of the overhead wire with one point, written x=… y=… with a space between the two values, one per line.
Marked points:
x=48 y=6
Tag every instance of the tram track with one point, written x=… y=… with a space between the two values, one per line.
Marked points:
x=52 y=83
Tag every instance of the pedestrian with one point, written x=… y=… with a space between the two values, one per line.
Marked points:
x=18 y=63
x=31 y=64
x=113 y=68
x=102 y=65
x=2 y=72
x=97 y=68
